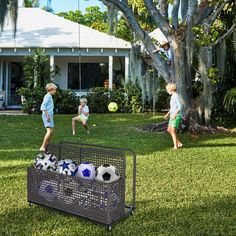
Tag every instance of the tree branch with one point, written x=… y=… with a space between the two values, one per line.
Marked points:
x=175 y=13
x=163 y=5
x=158 y=18
x=143 y=36
x=184 y=9
x=227 y=34
x=204 y=10
x=192 y=8
x=211 y=19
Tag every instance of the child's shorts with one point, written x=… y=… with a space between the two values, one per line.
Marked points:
x=175 y=123
x=47 y=124
x=81 y=118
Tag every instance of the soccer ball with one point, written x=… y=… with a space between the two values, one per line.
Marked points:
x=107 y=173
x=67 y=167
x=45 y=161
x=112 y=107
x=86 y=170
x=48 y=189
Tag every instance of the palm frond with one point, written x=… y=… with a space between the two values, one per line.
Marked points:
x=230 y=101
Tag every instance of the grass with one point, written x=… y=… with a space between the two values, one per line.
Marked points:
x=186 y=192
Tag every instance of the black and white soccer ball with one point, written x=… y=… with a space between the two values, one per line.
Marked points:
x=107 y=173
x=86 y=170
x=67 y=167
x=45 y=161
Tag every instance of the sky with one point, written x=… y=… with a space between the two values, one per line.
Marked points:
x=67 y=5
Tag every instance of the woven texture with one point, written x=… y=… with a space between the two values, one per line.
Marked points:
x=102 y=202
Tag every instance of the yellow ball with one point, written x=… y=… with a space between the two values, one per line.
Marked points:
x=112 y=107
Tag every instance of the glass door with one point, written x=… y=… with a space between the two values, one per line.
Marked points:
x=15 y=82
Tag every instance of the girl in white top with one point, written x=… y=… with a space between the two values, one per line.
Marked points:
x=83 y=115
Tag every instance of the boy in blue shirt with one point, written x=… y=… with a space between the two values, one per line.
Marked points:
x=174 y=114
x=47 y=107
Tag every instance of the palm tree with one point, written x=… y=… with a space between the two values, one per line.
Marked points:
x=8 y=7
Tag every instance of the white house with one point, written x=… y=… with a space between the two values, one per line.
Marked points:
x=87 y=58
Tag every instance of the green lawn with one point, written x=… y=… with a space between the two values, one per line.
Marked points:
x=186 y=192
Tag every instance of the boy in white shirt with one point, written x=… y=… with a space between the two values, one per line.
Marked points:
x=83 y=115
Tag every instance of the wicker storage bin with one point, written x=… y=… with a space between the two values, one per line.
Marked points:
x=102 y=202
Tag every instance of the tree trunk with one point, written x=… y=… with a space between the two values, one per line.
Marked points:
x=180 y=74
x=111 y=16
x=205 y=62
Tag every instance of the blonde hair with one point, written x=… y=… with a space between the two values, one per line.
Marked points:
x=83 y=100
x=50 y=86
x=171 y=86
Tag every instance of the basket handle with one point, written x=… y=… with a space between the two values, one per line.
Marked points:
x=133 y=155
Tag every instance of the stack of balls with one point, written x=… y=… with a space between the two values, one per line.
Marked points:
x=105 y=173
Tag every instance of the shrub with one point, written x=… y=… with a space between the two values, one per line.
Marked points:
x=134 y=97
x=128 y=100
x=230 y=101
x=98 y=100
x=120 y=97
x=163 y=100
x=31 y=99
x=37 y=70
x=66 y=102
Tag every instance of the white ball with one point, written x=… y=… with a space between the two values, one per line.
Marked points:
x=107 y=173
x=45 y=161
x=86 y=170
x=67 y=167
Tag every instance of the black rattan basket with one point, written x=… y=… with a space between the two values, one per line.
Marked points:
x=104 y=203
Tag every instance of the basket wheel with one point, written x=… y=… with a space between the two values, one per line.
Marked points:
x=131 y=213
x=109 y=228
x=30 y=204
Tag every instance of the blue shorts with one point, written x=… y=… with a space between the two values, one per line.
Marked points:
x=47 y=124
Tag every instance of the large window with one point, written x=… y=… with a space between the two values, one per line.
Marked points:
x=92 y=75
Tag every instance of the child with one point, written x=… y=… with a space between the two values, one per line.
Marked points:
x=165 y=48
x=83 y=115
x=174 y=114
x=47 y=107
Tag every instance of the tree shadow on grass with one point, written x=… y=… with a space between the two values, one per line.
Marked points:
x=212 y=217
x=36 y=220
x=206 y=216
x=203 y=145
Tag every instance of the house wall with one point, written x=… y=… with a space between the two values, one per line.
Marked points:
x=62 y=63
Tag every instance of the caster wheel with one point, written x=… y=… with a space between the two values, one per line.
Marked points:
x=131 y=213
x=109 y=228
x=30 y=204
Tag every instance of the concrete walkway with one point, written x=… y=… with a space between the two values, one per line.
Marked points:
x=12 y=112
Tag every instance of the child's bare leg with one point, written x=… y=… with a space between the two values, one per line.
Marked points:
x=73 y=125
x=84 y=123
x=179 y=143
x=174 y=136
x=46 y=139
x=169 y=129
